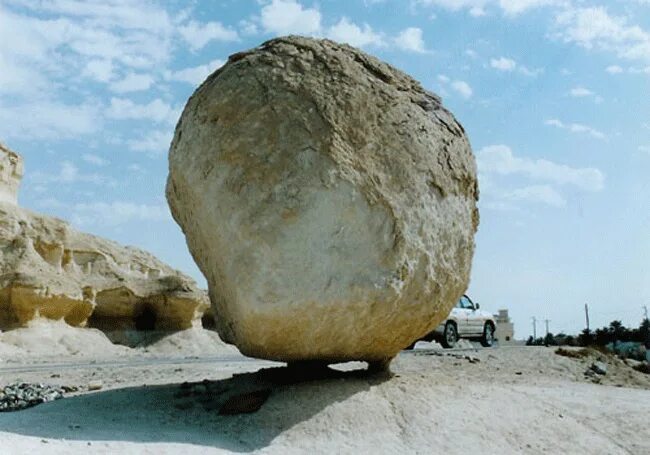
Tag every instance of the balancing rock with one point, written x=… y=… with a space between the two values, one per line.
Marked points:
x=329 y=200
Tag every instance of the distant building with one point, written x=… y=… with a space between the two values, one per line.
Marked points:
x=505 y=328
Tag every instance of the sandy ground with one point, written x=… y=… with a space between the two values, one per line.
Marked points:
x=502 y=400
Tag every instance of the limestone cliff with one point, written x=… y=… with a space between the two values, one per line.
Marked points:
x=11 y=172
x=49 y=269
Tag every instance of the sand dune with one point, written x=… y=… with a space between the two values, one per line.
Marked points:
x=42 y=340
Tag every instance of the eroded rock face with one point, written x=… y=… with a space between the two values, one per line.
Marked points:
x=329 y=200
x=11 y=172
x=48 y=269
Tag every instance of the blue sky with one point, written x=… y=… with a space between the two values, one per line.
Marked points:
x=553 y=95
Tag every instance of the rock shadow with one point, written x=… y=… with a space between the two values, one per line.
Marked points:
x=207 y=413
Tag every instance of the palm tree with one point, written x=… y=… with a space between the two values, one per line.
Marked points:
x=616 y=327
x=602 y=336
x=644 y=330
x=585 y=338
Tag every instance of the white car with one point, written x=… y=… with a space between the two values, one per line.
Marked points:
x=466 y=320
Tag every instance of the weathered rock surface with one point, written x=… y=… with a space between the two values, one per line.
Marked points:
x=329 y=200
x=11 y=172
x=50 y=270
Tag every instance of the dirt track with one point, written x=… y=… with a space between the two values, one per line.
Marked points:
x=507 y=400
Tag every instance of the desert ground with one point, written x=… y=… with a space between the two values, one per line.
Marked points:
x=170 y=396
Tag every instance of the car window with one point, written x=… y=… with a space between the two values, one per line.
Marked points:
x=465 y=303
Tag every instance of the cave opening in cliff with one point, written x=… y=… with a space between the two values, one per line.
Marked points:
x=207 y=321
x=146 y=320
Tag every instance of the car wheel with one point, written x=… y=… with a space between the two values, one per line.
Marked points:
x=488 y=335
x=450 y=335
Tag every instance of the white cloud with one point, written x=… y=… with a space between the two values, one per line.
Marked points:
x=132 y=82
x=580 y=92
x=644 y=148
x=462 y=88
x=509 y=65
x=595 y=28
x=50 y=50
x=515 y=7
x=20 y=78
x=456 y=5
x=644 y=70
x=50 y=202
x=544 y=179
x=576 y=128
x=94 y=159
x=197 y=35
x=48 y=120
x=544 y=194
x=157 y=111
x=348 y=32
x=503 y=64
x=117 y=213
x=500 y=160
x=111 y=214
x=69 y=32
x=477 y=11
x=614 y=69
x=529 y=72
x=248 y=28
x=283 y=17
x=69 y=173
x=477 y=7
x=108 y=13
x=99 y=70
x=410 y=39
x=196 y=74
x=155 y=143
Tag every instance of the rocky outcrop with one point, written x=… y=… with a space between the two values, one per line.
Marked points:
x=329 y=200
x=11 y=172
x=50 y=270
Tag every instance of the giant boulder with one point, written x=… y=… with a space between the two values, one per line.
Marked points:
x=329 y=200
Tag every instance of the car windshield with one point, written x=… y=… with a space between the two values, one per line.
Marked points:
x=465 y=303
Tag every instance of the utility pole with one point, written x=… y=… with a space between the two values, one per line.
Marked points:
x=534 y=328
x=587 y=316
x=647 y=329
x=546 y=321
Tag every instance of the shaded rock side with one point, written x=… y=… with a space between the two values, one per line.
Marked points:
x=50 y=270
x=329 y=200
